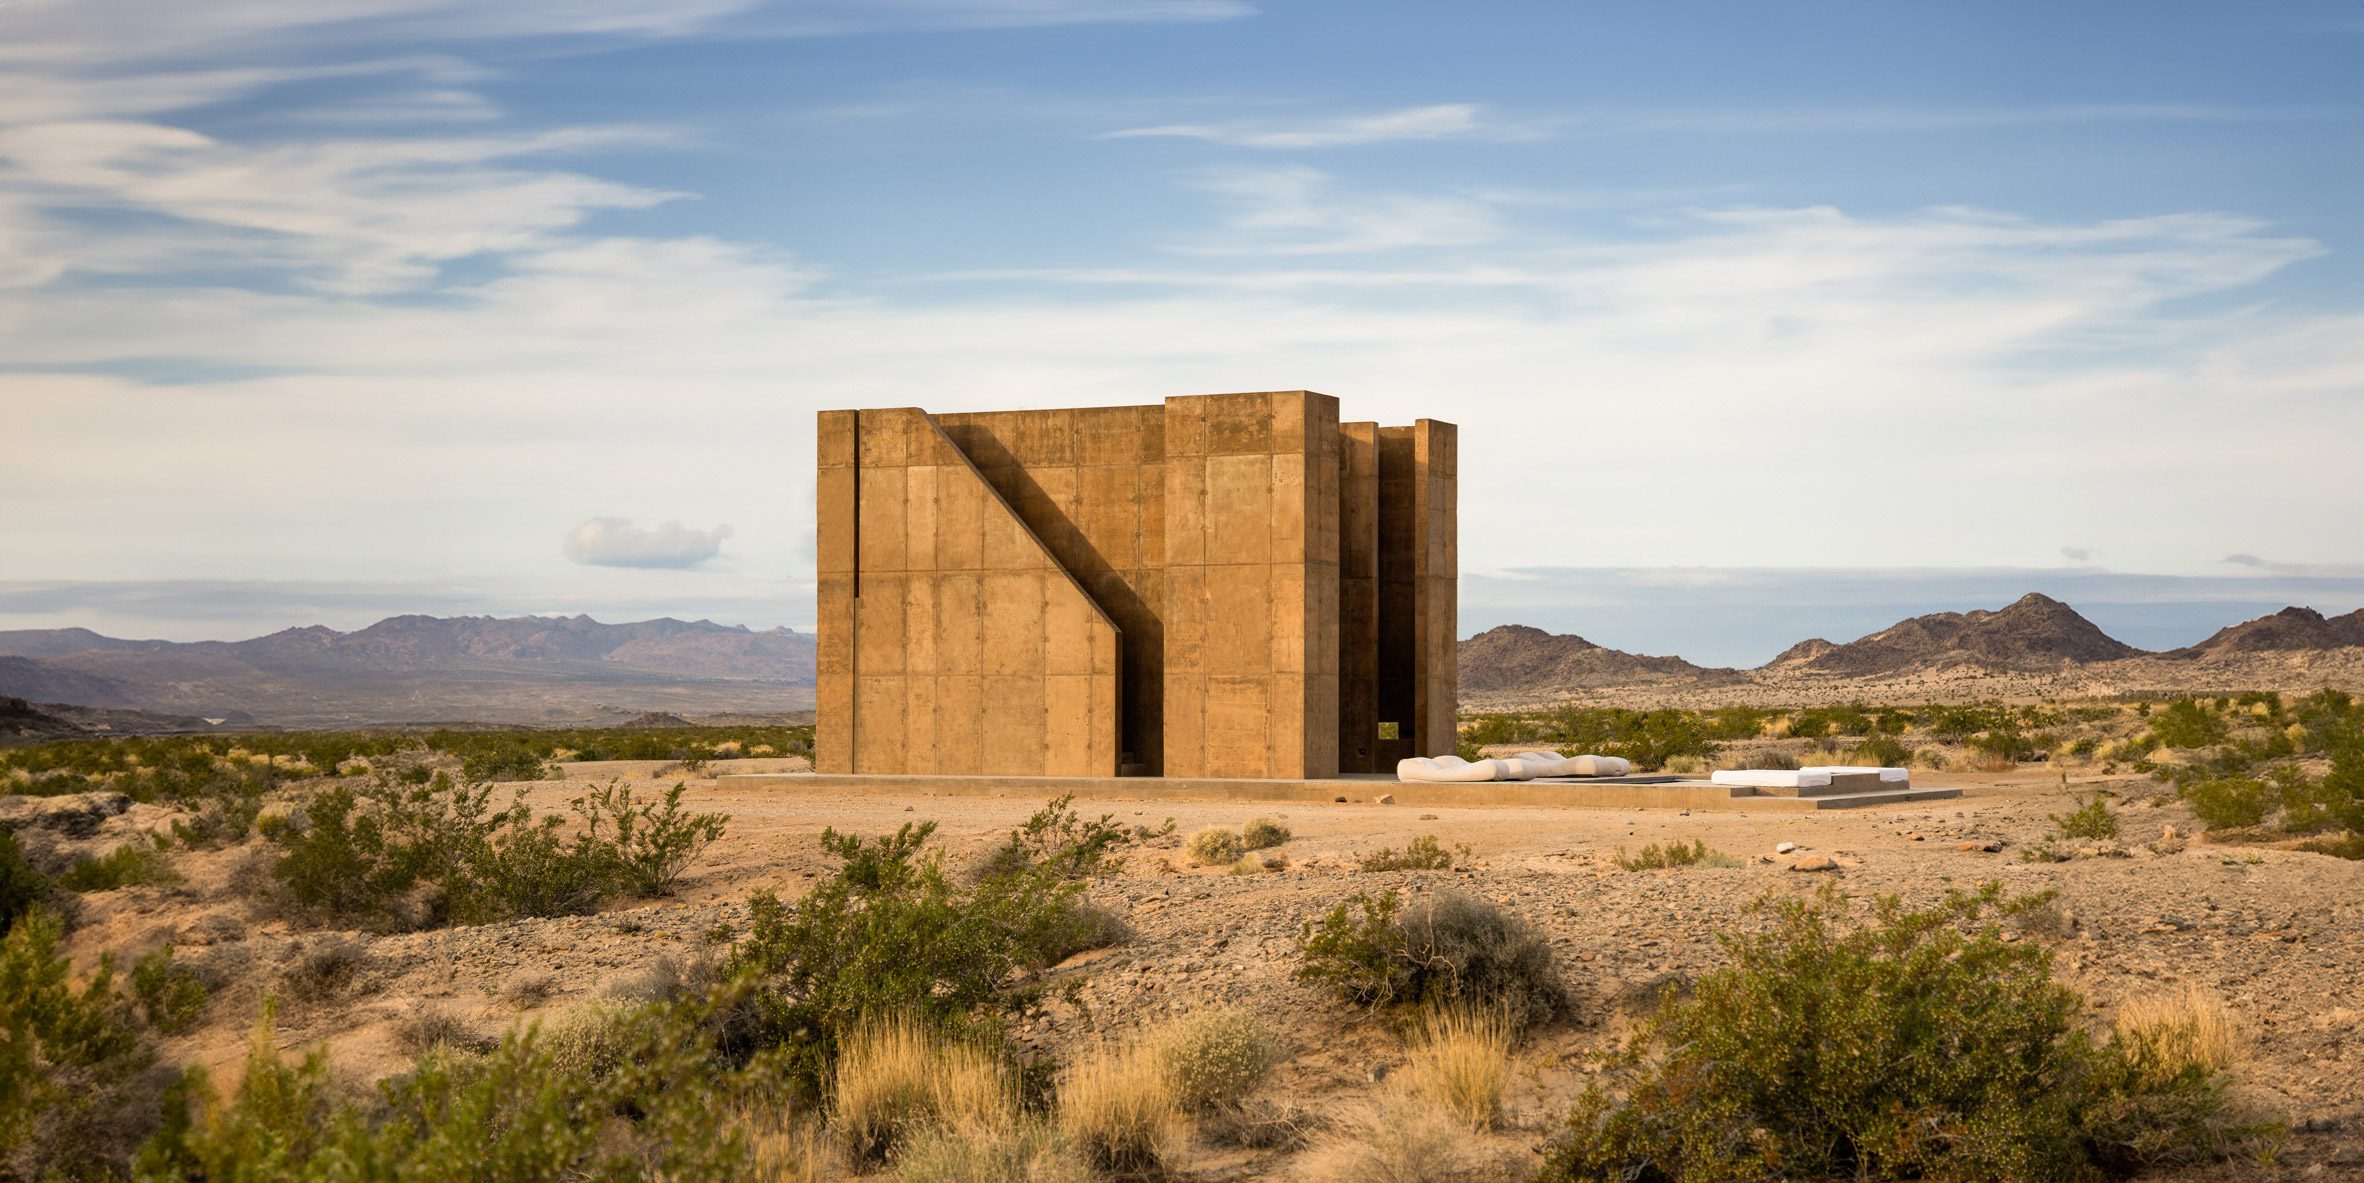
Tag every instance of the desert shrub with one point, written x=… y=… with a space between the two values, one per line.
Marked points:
x=129 y=865
x=79 y=1084
x=22 y=885
x=1443 y=950
x=1214 y=846
x=1119 y=1107
x=888 y=933
x=2229 y=802
x=1401 y=1142
x=432 y=1028
x=505 y=762
x=895 y=1077
x=324 y=969
x=1759 y=758
x=1016 y=1152
x=1883 y=750
x=393 y=854
x=223 y=817
x=2185 y=723
x=1460 y=1063
x=1673 y=855
x=653 y=841
x=1918 y=1044
x=1216 y=1057
x=2092 y=821
x=1262 y=832
x=1423 y=853
x=171 y=995
x=1058 y=841
x=507 y=1114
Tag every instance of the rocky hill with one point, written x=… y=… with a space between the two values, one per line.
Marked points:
x=1516 y=657
x=2292 y=630
x=2035 y=633
x=530 y=669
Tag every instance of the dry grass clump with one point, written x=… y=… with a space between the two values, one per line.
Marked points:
x=895 y=1077
x=1672 y=856
x=1214 y=846
x=1120 y=1108
x=788 y=1147
x=324 y=970
x=587 y=1043
x=1216 y=1057
x=1263 y=832
x=1017 y=1152
x=2165 y=1036
x=1460 y=1064
x=433 y=1027
x=1764 y=758
x=1400 y=1142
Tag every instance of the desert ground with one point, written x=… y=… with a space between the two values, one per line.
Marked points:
x=2276 y=933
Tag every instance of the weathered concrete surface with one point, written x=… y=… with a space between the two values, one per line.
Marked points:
x=1215 y=578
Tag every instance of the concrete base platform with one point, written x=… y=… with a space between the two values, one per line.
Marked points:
x=1623 y=792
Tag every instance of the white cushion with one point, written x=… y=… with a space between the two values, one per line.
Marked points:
x=1771 y=778
x=1448 y=770
x=1887 y=775
x=1596 y=766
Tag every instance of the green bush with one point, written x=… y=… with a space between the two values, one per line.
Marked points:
x=391 y=854
x=1885 y=751
x=1904 y=1047
x=171 y=995
x=888 y=933
x=2092 y=821
x=1060 y=842
x=79 y=1084
x=2229 y=802
x=511 y=1114
x=129 y=865
x=22 y=885
x=1262 y=833
x=1442 y=950
x=1673 y=855
x=2185 y=723
x=1214 y=847
x=1423 y=853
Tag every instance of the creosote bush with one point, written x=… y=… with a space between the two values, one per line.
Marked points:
x=1423 y=853
x=2092 y=820
x=1263 y=832
x=130 y=865
x=1214 y=847
x=1673 y=855
x=1441 y=950
x=79 y=1083
x=1915 y=1044
x=398 y=854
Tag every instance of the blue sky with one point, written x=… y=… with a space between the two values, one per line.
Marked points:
x=1826 y=313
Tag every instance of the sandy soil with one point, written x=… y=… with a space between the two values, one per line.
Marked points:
x=2278 y=933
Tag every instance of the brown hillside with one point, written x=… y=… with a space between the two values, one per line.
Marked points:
x=2035 y=633
x=2288 y=631
x=1518 y=659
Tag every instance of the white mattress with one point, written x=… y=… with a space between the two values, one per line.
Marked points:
x=1449 y=770
x=1773 y=778
x=1523 y=766
x=1887 y=775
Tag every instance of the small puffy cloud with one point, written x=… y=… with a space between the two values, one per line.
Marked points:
x=618 y=542
x=2245 y=560
x=2077 y=554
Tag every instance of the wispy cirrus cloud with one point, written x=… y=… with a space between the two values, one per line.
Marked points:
x=1434 y=122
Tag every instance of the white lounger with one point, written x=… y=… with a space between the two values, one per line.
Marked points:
x=1773 y=778
x=1887 y=775
x=1523 y=766
x=1449 y=770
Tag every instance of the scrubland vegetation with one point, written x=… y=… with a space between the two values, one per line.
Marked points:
x=872 y=1025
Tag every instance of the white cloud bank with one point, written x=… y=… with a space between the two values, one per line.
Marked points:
x=1436 y=122
x=619 y=542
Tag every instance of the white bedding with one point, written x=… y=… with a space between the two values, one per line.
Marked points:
x=1772 y=778
x=1887 y=775
x=1523 y=766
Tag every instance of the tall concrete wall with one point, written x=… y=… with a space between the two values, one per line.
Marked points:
x=1419 y=557
x=1222 y=585
x=1091 y=485
x=953 y=642
x=1251 y=685
x=1358 y=597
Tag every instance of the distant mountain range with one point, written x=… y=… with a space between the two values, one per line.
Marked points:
x=528 y=669
x=2036 y=637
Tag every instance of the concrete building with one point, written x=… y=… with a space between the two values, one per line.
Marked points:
x=1229 y=585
